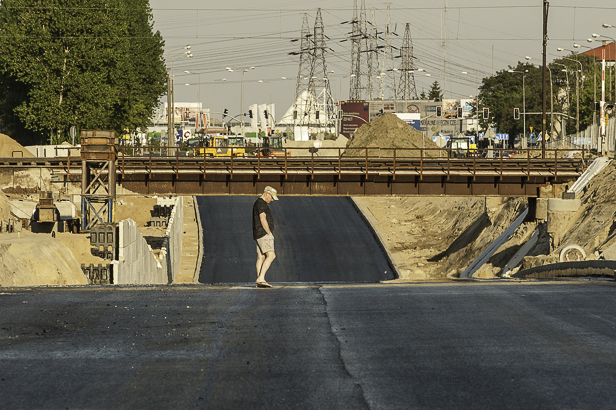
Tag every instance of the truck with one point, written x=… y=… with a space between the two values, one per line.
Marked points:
x=461 y=147
x=271 y=147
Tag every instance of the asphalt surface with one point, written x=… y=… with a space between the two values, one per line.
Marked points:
x=377 y=346
x=317 y=239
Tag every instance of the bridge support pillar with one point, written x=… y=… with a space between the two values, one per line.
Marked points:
x=532 y=210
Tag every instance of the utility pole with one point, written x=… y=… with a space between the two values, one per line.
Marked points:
x=169 y=106
x=602 y=104
x=546 y=6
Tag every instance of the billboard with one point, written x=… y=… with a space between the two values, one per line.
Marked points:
x=354 y=115
x=185 y=111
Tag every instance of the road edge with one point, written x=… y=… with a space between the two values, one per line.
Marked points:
x=369 y=222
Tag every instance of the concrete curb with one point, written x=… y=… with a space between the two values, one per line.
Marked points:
x=568 y=269
x=369 y=222
x=200 y=232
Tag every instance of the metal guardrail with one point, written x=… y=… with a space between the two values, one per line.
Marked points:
x=363 y=160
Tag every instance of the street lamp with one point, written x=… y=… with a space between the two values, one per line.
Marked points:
x=477 y=107
x=609 y=57
x=243 y=70
x=577 y=88
x=198 y=96
x=594 y=71
x=523 y=97
x=551 y=102
x=170 y=88
x=602 y=104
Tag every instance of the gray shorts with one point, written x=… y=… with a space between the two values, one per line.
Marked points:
x=265 y=244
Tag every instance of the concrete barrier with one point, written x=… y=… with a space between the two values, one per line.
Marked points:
x=136 y=262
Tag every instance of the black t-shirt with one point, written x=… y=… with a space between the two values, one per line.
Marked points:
x=258 y=208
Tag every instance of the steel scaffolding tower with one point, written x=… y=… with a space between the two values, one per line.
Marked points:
x=407 y=90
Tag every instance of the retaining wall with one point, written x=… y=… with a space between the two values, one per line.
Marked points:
x=136 y=262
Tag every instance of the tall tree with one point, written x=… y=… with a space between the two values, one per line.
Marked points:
x=435 y=92
x=89 y=63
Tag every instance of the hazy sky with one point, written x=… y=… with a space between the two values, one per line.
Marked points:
x=479 y=37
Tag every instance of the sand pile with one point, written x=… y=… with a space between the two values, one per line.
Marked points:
x=388 y=131
x=11 y=148
x=5 y=207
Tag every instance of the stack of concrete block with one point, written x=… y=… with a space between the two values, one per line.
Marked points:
x=172 y=245
x=136 y=263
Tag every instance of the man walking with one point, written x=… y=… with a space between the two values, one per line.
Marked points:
x=262 y=232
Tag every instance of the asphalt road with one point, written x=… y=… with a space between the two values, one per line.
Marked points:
x=318 y=239
x=377 y=346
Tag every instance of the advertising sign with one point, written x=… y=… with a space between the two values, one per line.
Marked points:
x=354 y=115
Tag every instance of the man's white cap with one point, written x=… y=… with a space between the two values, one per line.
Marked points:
x=272 y=192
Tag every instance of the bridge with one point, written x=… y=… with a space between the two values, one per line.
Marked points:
x=369 y=171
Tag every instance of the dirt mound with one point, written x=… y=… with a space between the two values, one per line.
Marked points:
x=388 y=131
x=11 y=148
x=5 y=207
x=37 y=259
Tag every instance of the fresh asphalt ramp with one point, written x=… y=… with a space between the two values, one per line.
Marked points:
x=318 y=239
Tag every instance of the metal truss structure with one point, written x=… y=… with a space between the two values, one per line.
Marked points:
x=407 y=89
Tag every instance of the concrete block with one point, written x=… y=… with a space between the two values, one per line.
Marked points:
x=23 y=209
x=610 y=253
x=542 y=209
x=66 y=210
x=564 y=205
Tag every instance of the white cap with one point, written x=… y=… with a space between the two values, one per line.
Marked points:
x=272 y=192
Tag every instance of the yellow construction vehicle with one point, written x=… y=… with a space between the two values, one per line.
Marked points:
x=222 y=146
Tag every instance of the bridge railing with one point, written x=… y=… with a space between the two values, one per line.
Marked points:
x=355 y=160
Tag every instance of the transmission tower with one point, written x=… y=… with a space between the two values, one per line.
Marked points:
x=365 y=65
x=407 y=90
x=372 y=57
x=319 y=79
x=389 y=80
x=355 y=75
x=303 y=74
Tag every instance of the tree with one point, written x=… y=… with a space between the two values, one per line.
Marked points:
x=503 y=92
x=435 y=92
x=90 y=63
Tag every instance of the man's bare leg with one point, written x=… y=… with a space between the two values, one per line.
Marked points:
x=260 y=260
x=269 y=258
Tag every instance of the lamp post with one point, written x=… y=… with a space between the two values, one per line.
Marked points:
x=594 y=71
x=551 y=100
x=602 y=103
x=577 y=88
x=170 y=88
x=243 y=70
x=477 y=99
x=523 y=97
x=605 y=44
x=198 y=97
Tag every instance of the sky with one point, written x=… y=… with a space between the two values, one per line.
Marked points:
x=456 y=42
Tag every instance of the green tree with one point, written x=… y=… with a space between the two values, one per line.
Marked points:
x=435 y=92
x=503 y=92
x=89 y=63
